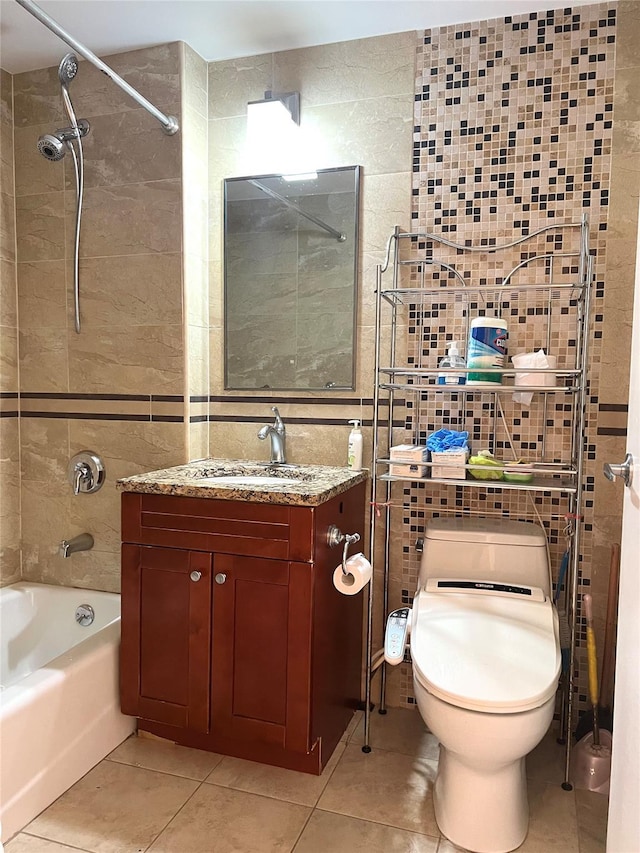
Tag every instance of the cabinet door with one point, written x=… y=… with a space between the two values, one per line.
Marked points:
x=166 y=635
x=262 y=651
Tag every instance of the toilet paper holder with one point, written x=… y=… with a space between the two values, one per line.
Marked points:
x=335 y=536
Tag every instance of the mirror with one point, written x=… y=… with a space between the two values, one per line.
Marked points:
x=290 y=274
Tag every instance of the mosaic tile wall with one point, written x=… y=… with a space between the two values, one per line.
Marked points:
x=512 y=132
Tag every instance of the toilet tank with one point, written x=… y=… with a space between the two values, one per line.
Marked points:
x=503 y=551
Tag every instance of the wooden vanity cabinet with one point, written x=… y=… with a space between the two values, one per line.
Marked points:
x=234 y=638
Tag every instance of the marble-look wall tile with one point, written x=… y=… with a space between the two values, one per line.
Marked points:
x=7 y=227
x=195 y=223
x=197 y=360
x=357 y=70
x=10 y=503
x=194 y=148
x=45 y=523
x=44 y=449
x=153 y=71
x=235 y=82
x=131 y=219
x=85 y=570
x=376 y=134
x=131 y=290
x=216 y=292
x=6 y=132
x=37 y=98
x=229 y=155
x=216 y=205
x=133 y=360
x=127 y=147
x=198 y=440
x=383 y=206
x=196 y=293
x=128 y=447
x=42 y=295
x=40 y=227
x=194 y=80
x=99 y=515
x=131 y=302
x=34 y=173
x=10 y=533
x=44 y=363
x=9 y=360
x=8 y=295
x=628 y=35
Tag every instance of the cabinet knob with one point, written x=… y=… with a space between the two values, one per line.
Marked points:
x=195 y=576
x=220 y=577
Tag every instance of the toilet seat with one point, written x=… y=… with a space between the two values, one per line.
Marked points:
x=485 y=652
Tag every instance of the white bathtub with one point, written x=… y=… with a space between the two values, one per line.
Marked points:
x=59 y=705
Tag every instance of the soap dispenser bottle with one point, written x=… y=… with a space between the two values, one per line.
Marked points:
x=452 y=359
x=354 y=455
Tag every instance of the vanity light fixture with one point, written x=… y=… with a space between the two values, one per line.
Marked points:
x=275 y=112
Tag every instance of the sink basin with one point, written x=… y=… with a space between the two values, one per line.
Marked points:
x=247 y=480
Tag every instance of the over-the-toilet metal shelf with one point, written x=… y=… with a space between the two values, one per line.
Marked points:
x=428 y=289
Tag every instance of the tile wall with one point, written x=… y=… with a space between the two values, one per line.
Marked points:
x=118 y=387
x=514 y=130
x=195 y=168
x=356 y=103
x=9 y=423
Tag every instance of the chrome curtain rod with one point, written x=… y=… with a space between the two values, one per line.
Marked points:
x=169 y=123
x=340 y=237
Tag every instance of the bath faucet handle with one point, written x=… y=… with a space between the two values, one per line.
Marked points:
x=82 y=473
x=86 y=472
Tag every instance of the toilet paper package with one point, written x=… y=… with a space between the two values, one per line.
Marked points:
x=543 y=380
x=358 y=576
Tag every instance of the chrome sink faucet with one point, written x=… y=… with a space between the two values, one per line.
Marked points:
x=277 y=434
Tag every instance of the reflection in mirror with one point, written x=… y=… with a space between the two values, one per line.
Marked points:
x=290 y=250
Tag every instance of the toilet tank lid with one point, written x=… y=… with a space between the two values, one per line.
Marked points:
x=496 y=531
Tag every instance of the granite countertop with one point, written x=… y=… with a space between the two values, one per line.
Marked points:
x=302 y=485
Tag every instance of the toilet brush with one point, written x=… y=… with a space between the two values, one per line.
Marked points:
x=591 y=756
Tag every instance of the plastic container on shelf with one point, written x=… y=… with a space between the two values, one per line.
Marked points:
x=452 y=359
x=354 y=451
x=487 y=349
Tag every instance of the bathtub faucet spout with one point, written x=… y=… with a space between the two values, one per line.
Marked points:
x=82 y=542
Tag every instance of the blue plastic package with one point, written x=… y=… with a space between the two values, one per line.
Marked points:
x=447 y=439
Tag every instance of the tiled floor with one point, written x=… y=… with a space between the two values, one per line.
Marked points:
x=152 y=795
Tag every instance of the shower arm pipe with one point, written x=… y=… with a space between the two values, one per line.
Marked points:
x=169 y=123
x=340 y=237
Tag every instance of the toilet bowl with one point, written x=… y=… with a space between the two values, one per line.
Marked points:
x=486 y=662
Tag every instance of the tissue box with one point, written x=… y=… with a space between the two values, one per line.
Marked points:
x=446 y=463
x=411 y=455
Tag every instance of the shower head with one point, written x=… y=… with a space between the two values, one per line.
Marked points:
x=55 y=145
x=68 y=68
x=52 y=147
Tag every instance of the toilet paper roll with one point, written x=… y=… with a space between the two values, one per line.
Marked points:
x=359 y=575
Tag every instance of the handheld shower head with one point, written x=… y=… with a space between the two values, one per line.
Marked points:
x=68 y=68
x=52 y=147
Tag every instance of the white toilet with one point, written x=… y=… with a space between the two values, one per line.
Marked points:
x=486 y=663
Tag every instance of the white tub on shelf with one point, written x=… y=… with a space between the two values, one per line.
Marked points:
x=59 y=705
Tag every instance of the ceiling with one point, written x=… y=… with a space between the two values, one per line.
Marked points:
x=224 y=29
